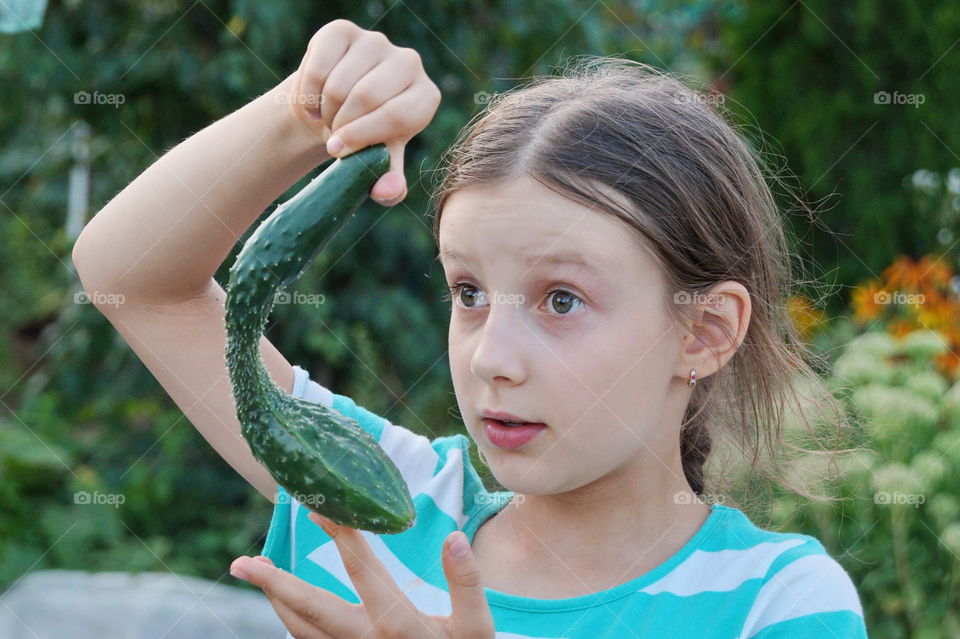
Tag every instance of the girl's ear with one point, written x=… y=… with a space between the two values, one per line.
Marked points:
x=722 y=318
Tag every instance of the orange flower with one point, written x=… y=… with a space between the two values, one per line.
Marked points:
x=865 y=304
x=900 y=327
x=948 y=362
x=901 y=305
x=935 y=271
x=902 y=274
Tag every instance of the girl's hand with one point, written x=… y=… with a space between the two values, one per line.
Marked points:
x=355 y=87
x=310 y=612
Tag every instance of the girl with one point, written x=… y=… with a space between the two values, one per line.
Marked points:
x=610 y=246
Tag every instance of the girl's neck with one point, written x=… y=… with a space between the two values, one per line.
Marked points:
x=591 y=538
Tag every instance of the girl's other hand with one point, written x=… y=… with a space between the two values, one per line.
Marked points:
x=354 y=88
x=314 y=613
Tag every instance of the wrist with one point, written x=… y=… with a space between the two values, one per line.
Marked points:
x=295 y=131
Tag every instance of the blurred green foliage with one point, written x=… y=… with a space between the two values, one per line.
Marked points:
x=82 y=415
x=896 y=526
x=83 y=420
x=856 y=96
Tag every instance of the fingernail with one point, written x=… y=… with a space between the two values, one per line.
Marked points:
x=459 y=546
x=262 y=559
x=334 y=145
x=239 y=574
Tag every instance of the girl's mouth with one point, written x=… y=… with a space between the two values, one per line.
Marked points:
x=510 y=434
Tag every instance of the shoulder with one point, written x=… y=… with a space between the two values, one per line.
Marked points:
x=800 y=590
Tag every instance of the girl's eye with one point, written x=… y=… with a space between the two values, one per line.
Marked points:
x=567 y=300
x=562 y=300
x=457 y=290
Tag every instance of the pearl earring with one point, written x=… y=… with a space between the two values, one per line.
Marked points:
x=693 y=378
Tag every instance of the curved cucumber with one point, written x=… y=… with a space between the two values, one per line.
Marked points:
x=320 y=456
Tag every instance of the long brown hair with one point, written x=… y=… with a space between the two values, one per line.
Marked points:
x=637 y=143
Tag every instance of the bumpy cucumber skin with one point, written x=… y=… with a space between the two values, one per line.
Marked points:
x=320 y=456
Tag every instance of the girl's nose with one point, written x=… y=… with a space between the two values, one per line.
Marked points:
x=499 y=353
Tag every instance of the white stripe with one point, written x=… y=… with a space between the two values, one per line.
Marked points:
x=309 y=390
x=412 y=453
x=417 y=460
x=811 y=584
x=720 y=570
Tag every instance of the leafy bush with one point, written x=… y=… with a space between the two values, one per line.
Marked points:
x=896 y=524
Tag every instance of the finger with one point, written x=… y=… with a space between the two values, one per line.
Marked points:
x=396 y=120
x=320 y=607
x=391 y=188
x=381 y=596
x=470 y=615
x=297 y=625
x=363 y=55
x=327 y=46
x=385 y=80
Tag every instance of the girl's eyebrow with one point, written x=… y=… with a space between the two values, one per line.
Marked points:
x=564 y=258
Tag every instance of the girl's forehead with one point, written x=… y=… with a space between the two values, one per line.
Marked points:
x=520 y=214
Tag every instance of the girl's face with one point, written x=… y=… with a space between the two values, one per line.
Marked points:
x=585 y=348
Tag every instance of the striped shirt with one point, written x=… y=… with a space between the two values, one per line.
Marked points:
x=730 y=580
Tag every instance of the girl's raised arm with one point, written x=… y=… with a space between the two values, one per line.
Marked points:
x=155 y=246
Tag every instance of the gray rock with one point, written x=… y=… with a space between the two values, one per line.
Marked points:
x=118 y=605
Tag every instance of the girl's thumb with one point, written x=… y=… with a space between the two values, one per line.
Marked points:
x=467 y=598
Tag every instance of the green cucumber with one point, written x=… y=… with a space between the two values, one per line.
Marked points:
x=320 y=456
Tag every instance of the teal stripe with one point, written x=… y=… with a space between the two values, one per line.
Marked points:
x=370 y=422
x=277 y=544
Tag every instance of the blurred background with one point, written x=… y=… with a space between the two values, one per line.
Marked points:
x=100 y=471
